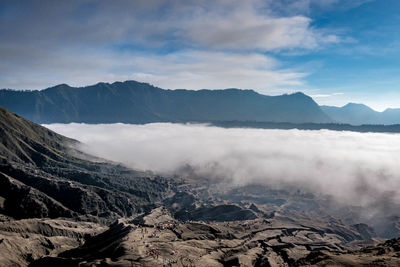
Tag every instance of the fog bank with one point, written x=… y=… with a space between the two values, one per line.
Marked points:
x=361 y=168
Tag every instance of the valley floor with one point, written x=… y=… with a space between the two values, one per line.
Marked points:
x=160 y=240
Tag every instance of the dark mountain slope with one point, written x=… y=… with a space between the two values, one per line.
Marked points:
x=358 y=114
x=22 y=201
x=134 y=102
x=40 y=178
x=25 y=141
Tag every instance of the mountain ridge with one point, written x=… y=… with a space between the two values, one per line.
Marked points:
x=40 y=176
x=135 y=102
x=358 y=114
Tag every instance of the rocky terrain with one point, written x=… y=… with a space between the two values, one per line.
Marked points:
x=42 y=176
x=160 y=240
x=60 y=207
x=22 y=241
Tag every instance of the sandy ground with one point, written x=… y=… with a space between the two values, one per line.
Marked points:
x=22 y=241
x=162 y=241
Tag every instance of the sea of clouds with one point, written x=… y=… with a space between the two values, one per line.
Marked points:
x=358 y=168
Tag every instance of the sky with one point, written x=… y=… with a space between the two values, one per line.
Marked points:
x=336 y=51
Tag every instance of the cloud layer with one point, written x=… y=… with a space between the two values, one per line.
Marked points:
x=356 y=168
x=172 y=44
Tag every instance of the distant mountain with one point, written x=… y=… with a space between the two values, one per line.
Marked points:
x=357 y=114
x=134 y=102
x=365 y=128
x=391 y=116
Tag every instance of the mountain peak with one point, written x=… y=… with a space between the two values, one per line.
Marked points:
x=300 y=95
x=58 y=87
x=61 y=85
x=357 y=106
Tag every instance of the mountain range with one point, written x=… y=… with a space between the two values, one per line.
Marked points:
x=135 y=102
x=357 y=114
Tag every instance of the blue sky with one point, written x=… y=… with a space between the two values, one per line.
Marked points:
x=365 y=70
x=337 y=51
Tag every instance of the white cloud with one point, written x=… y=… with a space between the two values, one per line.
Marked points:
x=245 y=28
x=199 y=70
x=186 y=69
x=83 y=42
x=354 y=168
x=325 y=95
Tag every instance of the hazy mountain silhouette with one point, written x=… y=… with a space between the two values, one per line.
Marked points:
x=358 y=114
x=134 y=102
